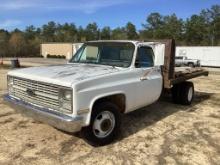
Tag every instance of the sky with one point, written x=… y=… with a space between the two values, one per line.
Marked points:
x=113 y=13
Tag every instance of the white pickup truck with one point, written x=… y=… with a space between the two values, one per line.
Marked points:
x=184 y=61
x=103 y=80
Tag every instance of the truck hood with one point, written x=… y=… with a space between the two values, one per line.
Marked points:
x=64 y=75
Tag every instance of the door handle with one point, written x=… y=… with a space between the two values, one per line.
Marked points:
x=143 y=78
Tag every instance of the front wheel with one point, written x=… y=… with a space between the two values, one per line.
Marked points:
x=104 y=126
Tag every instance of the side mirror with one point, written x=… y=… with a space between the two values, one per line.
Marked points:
x=137 y=64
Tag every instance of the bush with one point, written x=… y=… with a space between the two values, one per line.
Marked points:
x=56 y=56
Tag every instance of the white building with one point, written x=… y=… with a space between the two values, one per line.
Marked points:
x=62 y=49
x=209 y=55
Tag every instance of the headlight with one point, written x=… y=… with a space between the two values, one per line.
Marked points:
x=67 y=95
x=65 y=99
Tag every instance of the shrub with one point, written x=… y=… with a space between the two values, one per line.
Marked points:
x=56 y=56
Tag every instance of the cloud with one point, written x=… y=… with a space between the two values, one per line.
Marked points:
x=86 y=6
x=16 y=4
x=90 y=6
x=9 y=23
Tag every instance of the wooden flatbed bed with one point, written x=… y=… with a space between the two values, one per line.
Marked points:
x=187 y=73
x=174 y=75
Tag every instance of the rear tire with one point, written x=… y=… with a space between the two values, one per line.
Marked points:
x=176 y=93
x=183 y=93
x=104 y=125
x=187 y=93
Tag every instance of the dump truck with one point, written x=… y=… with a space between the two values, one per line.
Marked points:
x=103 y=81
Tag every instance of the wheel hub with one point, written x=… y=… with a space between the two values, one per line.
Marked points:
x=104 y=124
x=190 y=94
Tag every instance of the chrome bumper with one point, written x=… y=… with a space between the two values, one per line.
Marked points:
x=55 y=119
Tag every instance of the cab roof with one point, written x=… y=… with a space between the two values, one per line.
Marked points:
x=120 y=41
x=135 y=42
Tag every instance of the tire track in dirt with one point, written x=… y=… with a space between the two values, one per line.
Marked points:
x=21 y=124
x=66 y=146
x=9 y=120
x=6 y=114
x=18 y=156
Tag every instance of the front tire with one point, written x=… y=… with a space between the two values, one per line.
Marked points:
x=104 y=126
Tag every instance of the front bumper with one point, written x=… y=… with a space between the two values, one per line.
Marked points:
x=55 y=119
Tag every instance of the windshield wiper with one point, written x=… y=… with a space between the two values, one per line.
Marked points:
x=88 y=62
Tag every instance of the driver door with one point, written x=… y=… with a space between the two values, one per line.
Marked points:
x=149 y=85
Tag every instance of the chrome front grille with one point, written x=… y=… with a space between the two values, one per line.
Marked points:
x=38 y=93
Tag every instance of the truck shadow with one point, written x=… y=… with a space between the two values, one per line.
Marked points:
x=135 y=121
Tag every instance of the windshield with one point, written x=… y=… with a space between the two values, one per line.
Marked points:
x=105 y=53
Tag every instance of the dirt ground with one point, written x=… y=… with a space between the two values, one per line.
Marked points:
x=163 y=133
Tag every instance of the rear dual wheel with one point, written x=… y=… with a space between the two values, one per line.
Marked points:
x=183 y=93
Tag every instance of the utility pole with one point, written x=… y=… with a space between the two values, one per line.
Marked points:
x=1 y=61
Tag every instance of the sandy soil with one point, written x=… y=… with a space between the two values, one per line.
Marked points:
x=163 y=133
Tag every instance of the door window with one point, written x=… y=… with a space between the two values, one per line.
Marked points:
x=145 y=57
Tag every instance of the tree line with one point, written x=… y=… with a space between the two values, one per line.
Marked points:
x=199 y=29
